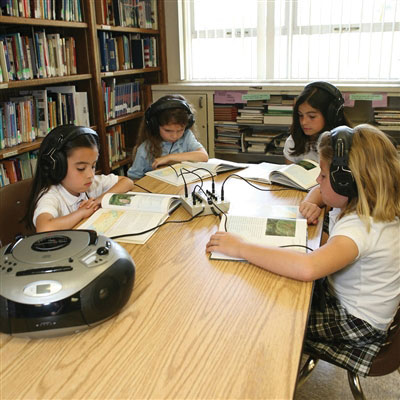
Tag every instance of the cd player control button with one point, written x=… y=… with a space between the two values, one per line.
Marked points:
x=9 y=269
x=102 y=251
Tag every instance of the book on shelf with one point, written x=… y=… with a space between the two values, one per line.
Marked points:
x=131 y=213
x=193 y=171
x=302 y=175
x=276 y=229
x=278 y=119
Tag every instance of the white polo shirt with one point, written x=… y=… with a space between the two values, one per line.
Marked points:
x=310 y=155
x=369 y=288
x=58 y=202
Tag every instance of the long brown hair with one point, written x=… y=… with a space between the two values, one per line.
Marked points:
x=153 y=139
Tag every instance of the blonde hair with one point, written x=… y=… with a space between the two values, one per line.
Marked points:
x=375 y=165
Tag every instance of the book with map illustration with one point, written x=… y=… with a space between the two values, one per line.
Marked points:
x=280 y=228
x=131 y=213
x=178 y=174
x=302 y=175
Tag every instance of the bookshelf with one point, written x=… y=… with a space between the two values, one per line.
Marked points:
x=88 y=76
x=119 y=125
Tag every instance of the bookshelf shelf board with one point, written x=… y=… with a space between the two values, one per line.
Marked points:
x=388 y=127
x=121 y=163
x=20 y=149
x=47 y=81
x=127 y=29
x=42 y=22
x=124 y=118
x=129 y=72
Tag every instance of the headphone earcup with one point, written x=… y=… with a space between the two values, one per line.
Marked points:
x=55 y=166
x=341 y=177
x=191 y=121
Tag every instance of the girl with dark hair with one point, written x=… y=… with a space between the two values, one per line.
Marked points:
x=318 y=108
x=65 y=188
x=166 y=136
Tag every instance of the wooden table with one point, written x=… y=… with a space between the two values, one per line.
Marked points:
x=193 y=328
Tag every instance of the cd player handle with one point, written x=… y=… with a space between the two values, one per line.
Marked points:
x=92 y=236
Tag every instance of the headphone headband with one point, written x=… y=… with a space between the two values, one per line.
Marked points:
x=167 y=103
x=335 y=110
x=342 y=179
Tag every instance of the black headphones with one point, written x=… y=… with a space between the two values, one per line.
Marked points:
x=341 y=177
x=166 y=103
x=335 y=109
x=54 y=161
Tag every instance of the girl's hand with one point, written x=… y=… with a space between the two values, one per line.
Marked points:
x=88 y=207
x=160 y=161
x=225 y=243
x=310 y=211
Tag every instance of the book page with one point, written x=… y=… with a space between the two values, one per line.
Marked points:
x=113 y=222
x=216 y=165
x=304 y=174
x=260 y=172
x=172 y=174
x=146 y=202
x=265 y=231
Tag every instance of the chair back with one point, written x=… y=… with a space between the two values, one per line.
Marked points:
x=13 y=207
x=388 y=358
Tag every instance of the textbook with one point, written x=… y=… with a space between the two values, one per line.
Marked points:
x=273 y=231
x=131 y=212
x=302 y=175
x=193 y=171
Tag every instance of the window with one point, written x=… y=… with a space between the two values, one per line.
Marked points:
x=281 y=40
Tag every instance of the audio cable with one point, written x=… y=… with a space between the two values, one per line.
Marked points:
x=251 y=184
x=158 y=226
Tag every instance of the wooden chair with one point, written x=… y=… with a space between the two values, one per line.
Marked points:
x=13 y=206
x=386 y=362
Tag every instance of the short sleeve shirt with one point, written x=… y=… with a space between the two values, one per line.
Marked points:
x=289 y=145
x=369 y=288
x=58 y=202
x=143 y=162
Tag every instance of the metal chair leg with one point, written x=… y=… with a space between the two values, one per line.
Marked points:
x=306 y=370
x=355 y=386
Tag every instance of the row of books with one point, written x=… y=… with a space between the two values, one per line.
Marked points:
x=116 y=144
x=227 y=138
x=18 y=168
x=266 y=141
x=255 y=112
x=36 y=112
x=387 y=117
x=129 y=13
x=121 y=99
x=124 y=52
x=237 y=139
x=65 y=10
x=40 y=55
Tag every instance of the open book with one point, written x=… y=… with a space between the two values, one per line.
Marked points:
x=302 y=175
x=193 y=171
x=131 y=212
x=268 y=231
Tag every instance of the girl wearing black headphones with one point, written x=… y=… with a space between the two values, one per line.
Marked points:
x=318 y=108
x=65 y=188
x=166 y=137
x=353 y=307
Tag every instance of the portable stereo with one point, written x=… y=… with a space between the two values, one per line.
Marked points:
x=62 y=282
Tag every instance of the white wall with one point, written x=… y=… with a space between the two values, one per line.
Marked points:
x=172 y=40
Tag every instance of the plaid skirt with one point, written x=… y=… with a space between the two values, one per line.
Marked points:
x=338 y=336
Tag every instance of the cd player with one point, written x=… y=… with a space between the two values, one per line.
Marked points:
x=61 y=282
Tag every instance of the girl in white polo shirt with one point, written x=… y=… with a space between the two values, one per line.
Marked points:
x=353 y=307
x=65 y=189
